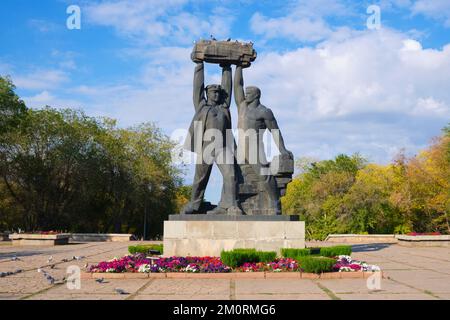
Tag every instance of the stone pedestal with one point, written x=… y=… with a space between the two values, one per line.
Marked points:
x=209 y=235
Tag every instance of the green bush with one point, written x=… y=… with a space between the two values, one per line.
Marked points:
x=335 y=251
x=316 y=264
x=145 y=248
x=238 y=257
x=266 y=256
x=294 y=253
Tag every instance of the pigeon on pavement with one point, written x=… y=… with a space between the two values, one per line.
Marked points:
x=100 y=280
x=120 y=291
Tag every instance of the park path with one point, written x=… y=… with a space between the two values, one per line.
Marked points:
x=410 y=273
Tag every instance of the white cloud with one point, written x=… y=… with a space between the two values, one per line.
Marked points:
x=305 y=21
x=40 y=79
x=302 y=29
x=436 y=9
x=155 y=21
x=46 y=98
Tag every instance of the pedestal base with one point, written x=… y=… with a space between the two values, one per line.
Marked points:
x=209 y=238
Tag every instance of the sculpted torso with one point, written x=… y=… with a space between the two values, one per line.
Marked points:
x=252 y=117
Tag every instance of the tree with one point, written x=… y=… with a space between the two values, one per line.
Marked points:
x=63 y=170
x=12 y=108
x=425 y=191
x=318 y=194
x=368 y=201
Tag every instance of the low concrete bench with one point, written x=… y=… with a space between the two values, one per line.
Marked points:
x=101 y=237
x=424 y=241
x=39 y=239
x=361 y=238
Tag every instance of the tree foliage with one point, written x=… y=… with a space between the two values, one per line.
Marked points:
x=63 y=170
x=348 y=195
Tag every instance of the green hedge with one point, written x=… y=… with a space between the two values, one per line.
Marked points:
x=294 y=253
x=316 y=264
x=335 y=251
x=237 y=257
x=145 y=248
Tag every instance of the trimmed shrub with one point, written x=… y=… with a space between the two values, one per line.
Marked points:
x=237 y=257
x=266 y=256
x=316 y=264
x=336 y=251
x=145 y=248
x=294 y=253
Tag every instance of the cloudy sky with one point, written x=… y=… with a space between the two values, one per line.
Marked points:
x=335 y=85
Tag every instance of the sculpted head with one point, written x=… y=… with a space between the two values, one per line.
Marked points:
x=213 y=92
x=252 y=94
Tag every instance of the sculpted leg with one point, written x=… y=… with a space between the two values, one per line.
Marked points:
x=228 y=202
x=202 y=174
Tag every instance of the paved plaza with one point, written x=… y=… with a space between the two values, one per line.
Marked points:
x=409 y=273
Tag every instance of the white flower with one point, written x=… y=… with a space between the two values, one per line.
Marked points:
x=111 y=270
x=144 y=268
x=192 y=268
x=374 y=268
x=347 y=258
x=345 y=269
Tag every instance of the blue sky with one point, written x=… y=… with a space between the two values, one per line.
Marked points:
x=334 y=85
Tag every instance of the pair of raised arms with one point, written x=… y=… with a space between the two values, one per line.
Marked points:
x=226 y=85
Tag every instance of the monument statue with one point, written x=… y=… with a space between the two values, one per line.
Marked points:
x=251 y=185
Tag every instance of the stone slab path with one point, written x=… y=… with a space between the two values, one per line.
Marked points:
x=411 y=273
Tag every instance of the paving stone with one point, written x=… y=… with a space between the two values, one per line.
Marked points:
x=11 y=296
x=182 y=297
x=188 y=287
x=277 y=296
x=360 y=286
x=286 y=286
x=407 y=296
x=426 y=270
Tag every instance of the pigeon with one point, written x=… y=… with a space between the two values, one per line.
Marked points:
x=100 y=280
x=52 y=266
x=65 y=260
x=15 y=258
x=229 y=39
x=3 y=274
x=50 y=259
x=213 y=39
x=18 y=271
x=50 y=279
x=77 y=257
x=39 y=270
x=120 y=291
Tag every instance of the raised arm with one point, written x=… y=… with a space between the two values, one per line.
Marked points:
x=272 y=125
x=239 y=95
x=227 y=84
x=199 y=84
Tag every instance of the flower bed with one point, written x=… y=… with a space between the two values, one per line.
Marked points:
x=139 y=263
x=346 y=264
x=423 y=234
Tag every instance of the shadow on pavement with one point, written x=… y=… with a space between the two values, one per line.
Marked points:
x=370 y=247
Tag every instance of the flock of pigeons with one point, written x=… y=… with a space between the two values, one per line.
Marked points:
x=50 y=279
